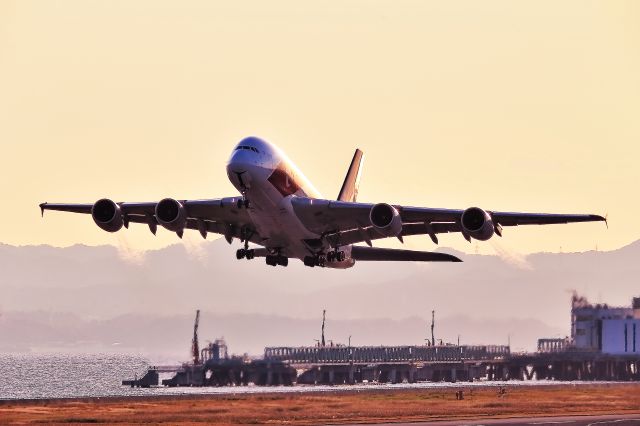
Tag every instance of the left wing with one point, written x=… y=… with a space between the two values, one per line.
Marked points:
x=349 y=223
x=222 y=216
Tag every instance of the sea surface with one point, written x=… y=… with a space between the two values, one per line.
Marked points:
x=45 y=376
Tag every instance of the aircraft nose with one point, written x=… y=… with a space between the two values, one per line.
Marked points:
x=240 y=160
x=240 y=168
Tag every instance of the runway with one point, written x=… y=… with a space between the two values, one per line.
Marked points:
x=617 y=420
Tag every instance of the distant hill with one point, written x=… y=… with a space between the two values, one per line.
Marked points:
x=167 y=338
x=94 y=291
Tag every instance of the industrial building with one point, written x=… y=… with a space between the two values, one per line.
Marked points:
x=599 y=328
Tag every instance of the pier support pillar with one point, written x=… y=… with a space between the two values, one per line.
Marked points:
x=269 y=376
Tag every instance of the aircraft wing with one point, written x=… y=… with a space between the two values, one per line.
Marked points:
x=221 y=216
x=348 y=223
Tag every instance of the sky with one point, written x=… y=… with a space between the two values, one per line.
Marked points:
x=517 y=106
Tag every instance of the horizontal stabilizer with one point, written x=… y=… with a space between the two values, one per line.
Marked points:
x=381 y=254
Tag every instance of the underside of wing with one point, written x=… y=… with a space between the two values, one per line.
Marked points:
x=225 y=216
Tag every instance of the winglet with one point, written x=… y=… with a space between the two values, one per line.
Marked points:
x=42 y=206
x=598 y=218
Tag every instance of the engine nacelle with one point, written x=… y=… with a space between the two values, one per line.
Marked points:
x=107 y=215
x=477 y=224
x=386 y=219
x=171 y=215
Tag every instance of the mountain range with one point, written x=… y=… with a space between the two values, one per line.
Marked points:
x=103 y=298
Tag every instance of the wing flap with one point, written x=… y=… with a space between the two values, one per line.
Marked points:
x=222 y=228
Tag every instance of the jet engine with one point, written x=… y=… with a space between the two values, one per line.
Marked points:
x=477 y=224
x=107 y=215
x=386 y=219
x=171 y=215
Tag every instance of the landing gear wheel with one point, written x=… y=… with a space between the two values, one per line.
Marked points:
x=271 y=260
x=246 y=203
x=331 y=256
x=283 y=261
x=250 y=254
x=341 y=256
x=309 y=261
x=241 y=253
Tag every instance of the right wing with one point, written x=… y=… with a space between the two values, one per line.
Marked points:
x=220 y=216
x=342 y=223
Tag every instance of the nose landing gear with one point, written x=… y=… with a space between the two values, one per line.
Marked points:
x=243 y=202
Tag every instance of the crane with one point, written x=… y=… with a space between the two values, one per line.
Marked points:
x=195 y=347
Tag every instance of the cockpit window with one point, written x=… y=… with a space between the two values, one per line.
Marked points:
x=250 y=148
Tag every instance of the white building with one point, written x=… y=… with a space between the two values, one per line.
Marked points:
x=621 y=336
x=601 y=328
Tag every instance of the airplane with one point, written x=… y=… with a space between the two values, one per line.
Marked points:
x=285 y=217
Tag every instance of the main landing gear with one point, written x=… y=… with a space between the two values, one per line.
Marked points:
x=321 y=259
x=245 y=254
x=336 y=255
x=276 y=259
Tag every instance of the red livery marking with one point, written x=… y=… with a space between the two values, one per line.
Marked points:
x=283 y=182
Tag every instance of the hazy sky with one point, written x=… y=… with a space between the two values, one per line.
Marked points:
x=530 y=106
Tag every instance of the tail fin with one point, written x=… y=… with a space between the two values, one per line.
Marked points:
x=349 y=191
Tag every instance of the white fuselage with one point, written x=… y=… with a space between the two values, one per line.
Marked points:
x=266 y=177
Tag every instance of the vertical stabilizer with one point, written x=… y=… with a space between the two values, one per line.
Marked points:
x=349 y=191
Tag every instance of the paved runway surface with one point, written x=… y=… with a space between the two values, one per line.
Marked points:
x=616 y=420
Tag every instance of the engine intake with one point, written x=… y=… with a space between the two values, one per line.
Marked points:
x=386 y=219
x=477 y=224
x=107 y=215
x=171 y=215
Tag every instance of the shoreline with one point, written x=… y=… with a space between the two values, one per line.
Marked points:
x=228 y=391
x=377 y=405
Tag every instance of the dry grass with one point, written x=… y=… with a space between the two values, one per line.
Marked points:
x=343 y=407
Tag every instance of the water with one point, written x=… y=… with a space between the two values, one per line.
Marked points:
x=26 y=376
x=38 y=376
